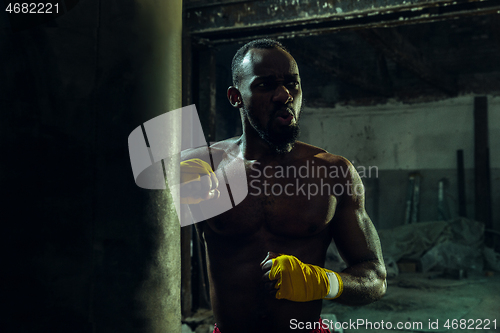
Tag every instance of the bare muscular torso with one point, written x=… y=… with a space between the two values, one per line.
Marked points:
x=268 y=219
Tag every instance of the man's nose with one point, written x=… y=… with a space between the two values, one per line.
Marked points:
x=282 y=95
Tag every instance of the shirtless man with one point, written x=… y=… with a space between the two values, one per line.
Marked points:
x=281 y=213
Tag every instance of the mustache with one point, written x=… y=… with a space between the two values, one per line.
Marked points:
x=286 y=108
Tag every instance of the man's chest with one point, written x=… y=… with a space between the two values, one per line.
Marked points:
x=284 y=204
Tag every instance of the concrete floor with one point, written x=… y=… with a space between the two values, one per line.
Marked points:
x=411 y=298
x=414 y=298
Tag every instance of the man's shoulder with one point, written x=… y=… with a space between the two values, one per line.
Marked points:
x=216 y=148
x=307 y=151
x=226 y=144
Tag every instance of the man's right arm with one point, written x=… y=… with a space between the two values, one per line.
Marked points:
x=198 y=180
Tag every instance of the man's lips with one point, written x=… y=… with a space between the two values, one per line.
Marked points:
x=285 y=114
x=285 y=117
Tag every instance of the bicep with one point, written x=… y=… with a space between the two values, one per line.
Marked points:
x=352 y=230
x=191 y=153
x=356 y=238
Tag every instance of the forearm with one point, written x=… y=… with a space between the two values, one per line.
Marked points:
x=364 y=283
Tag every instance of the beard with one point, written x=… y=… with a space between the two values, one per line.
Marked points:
x=282 y=141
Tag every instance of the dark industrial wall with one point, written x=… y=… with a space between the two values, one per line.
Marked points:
x=395 y=138
x=84 y=249
x=399 y=139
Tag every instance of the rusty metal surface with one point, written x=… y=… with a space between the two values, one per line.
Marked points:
x=233 y=20
x=400 y=50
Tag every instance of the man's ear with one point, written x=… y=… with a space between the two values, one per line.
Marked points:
x=234 y=97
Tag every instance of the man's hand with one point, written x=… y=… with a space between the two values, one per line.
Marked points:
x=297 y=281
x=266 y=265
x=198 y=182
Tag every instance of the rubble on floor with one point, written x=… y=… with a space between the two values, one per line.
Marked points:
x=200 y=322
x=425 y=298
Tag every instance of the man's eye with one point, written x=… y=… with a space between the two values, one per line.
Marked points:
x=293 y=85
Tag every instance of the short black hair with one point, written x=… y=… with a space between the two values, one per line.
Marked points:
x=264 y=43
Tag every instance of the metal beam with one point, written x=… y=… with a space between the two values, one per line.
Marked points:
x=186 y=232
x=397 y=48
x=482 y=176
x=211 y=21
x=327 y=63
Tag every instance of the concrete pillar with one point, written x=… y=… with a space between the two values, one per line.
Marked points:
x=138 y=272
x=160 y=291
x=84 y=250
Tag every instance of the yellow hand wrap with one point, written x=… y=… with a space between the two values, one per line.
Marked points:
x=192 y=170
x=301 y=282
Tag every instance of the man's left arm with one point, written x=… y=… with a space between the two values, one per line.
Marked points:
x=364 y=279
x=362 y=282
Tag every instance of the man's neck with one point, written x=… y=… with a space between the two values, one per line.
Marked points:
x=253 y=147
